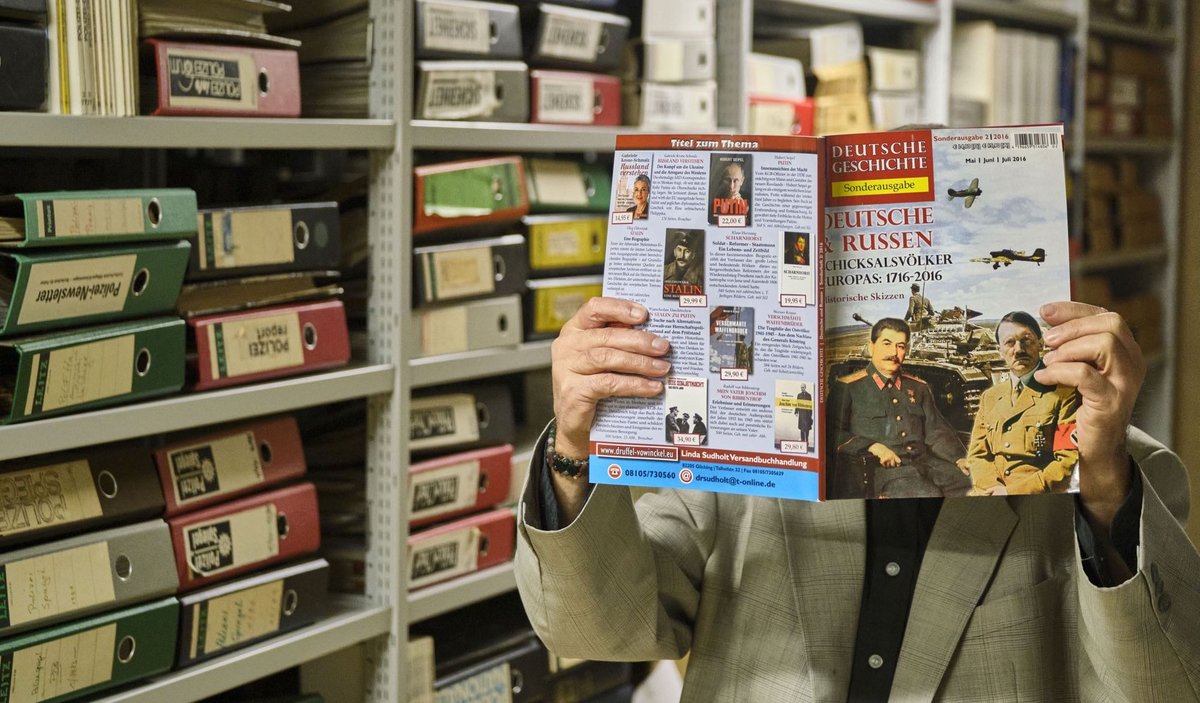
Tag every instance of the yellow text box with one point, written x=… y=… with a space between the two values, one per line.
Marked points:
x=880 y=186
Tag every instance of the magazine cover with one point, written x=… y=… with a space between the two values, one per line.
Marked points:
x=872 y=330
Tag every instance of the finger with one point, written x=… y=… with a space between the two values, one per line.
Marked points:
x=1099 y=323
x=598 y=312
x=1084 y=377
x=1104 y=351
x=1061 y=311
x=612 y=385
x=607 y=359
x=622 y=338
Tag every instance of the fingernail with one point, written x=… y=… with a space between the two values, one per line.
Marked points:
x=1048 y=310
x=660 y=366
x=637 y=313
x=659 y=344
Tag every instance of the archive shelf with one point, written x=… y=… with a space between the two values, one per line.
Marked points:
x=1094 y=263
x=85 y=131
x=909 y=11
x=1024 y=15
x=1133 y=146
x=505 y=136
x=466 y=366
x=463 y=591
x=352 y=620
x=189 y=410
x=1118 y=30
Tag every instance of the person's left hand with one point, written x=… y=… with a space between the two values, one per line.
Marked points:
x=1094 y=351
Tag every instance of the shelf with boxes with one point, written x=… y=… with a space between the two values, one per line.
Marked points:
x=909 y=11
x=1026 y=14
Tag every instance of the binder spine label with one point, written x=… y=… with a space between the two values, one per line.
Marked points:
x=458 y=29
x=558 y=182
x=41 y=587
x=493 y=685
x=84 y=373
x=201 y=78
x=62 y=666
x=65 y=289
x=254 y=238
x=443 y=490
x=554 y=306
x=92 y=217
x=566 y=100
x=566 y=244
x=445 y=331
x=443 y=557
x=574 y=38
x=228 y=542
x=46 y=496
x=218 y=467
x=460 y=95
x=256 y=344
x=459 y=273
x=443 y=417
x=228 y=620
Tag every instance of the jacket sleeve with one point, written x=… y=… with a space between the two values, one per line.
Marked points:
x=619 y=583
x=983 y=471
x=943 y=441
x=840 y=410
x=1142 y=638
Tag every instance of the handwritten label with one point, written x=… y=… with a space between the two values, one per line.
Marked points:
x=228 y=620
x=62 y=666
x=66 y=581
x=83 y=373
x=89 y=217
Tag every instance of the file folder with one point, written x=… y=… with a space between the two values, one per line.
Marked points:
x=230 y=539
x=465 y=29
x=460 y=547
x=561 y=244
x=478 y=324
x=233 y=294
x=50 y=496
x=59 y=288
x=575 y=97
x=266 y=239
x=66 y=372
x=492 y=91
x=80 y=658
x=77 y=576
x=469 y=193
x=461 y=417
x=284 y=340
x=221 y=619
x=213 y=79
x=569 y=37
x=86 y=217
x=199 y=470
x=456 y=484
x=479 y=267
x=551 y=302
x=564 y=185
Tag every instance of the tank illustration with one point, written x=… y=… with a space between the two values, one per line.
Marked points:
x=957 y=358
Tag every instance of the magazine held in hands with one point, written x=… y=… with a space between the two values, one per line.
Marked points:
x=852 y=316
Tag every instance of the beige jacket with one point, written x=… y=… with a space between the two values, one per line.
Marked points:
x=765 y=595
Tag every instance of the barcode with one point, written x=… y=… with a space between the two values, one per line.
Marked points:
x=1034 y=140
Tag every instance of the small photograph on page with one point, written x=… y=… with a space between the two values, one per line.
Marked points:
x=729 y=190
x=796 y=278
x=731 y=342
x=686 y=401
x=683 y=263
x=631 y=190
x=794 y=416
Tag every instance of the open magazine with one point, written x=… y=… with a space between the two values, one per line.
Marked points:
x=851 y=316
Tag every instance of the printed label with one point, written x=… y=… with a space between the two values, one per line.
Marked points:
x=459 y=95
x=225 y=543
x=225 y=80
x=570 y=100
x=89 y=218
x=66 y=289
x=443 y=490
x=463 y=30
x=254 y=345
x=233 y=238
x=45 y=496
x=444 y=331
x=62 y=666
x=463 y=272
x=216 y=468
x=83 y=373
x=491 y=686
x=238 y=617
x=63 y=582
x=558 y=182
x=443 y=557
x=451 y=418
x=574 y=38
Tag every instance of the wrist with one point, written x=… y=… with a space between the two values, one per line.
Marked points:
x=564 y=458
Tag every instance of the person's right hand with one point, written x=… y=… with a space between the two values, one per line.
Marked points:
x=597 y=355
x=886 y=456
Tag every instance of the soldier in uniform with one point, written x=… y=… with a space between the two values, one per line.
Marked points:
x=919 y=307
x=1021 y=442
x=887 y=435
x=804 y=412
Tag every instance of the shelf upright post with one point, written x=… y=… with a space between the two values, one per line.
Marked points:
x=388 y=306
x=935 y=70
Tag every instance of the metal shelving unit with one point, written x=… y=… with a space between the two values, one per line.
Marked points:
x=351 y=621
x=504 y=136
x=910 y=11
x=466 y=366
x=1126 y=32
x=1093 y=263
x=193 y=410
x=1137 y=146
x=1020 y=14
x=463 y=591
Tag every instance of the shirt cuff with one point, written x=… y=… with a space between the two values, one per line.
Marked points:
x=549 y=502
x=1125 y=533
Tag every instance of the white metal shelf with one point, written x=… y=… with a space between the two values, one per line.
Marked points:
x=465 y=366
x=1142 y=35
x=1095 y=263
x=518 y=137
x=189 y=410
x=353 y=620
x=907 y=11
x=24 y=129
x=1130 y=146
x=1024 y=14
x=463 y=591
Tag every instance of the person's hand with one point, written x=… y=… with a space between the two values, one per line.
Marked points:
x=996 y=490
x=886 y=456
x=964 y=465
x=597 y=355
x=1094 y=351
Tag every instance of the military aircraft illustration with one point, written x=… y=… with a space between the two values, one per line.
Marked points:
x=1008 y=256
x=968 y=194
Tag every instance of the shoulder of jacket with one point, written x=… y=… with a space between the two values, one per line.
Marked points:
x=852 y=377
x=914 y=379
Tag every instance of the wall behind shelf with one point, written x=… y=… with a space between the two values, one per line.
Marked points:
x=1187 y=375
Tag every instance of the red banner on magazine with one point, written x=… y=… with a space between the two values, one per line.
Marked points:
x=885 y=167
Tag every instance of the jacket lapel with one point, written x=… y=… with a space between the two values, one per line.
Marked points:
x=826 y=552
x=963 y=550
